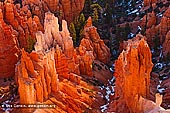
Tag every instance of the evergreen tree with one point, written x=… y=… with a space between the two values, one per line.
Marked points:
x=95 y=6
x=30 y=44
x=95 y=17
x=73 y=32
x=82 y=19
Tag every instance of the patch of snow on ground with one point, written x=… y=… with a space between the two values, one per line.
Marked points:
x=104 y=107
x=159 y=66
x=134 y=11
x=109 y=88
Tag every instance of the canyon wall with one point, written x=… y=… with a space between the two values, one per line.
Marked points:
x=132 y=72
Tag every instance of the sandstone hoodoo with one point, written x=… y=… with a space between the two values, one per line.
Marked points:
x=132 y=68
x=92 y=42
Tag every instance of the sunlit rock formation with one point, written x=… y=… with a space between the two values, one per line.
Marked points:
x=36 y=72
x=22 y=22
x=36 y=76
x=66 y=9
x=132 y=72
x=48 y=74
x=9 y=51
x=92 y=42
x=148 y=106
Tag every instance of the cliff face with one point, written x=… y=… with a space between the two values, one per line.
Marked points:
x=132 y=68
x=66 y=9
x=9 y=51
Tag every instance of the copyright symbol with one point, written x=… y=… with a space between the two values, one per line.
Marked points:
x=2 y=106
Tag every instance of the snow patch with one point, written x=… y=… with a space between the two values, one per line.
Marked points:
x=104 y=107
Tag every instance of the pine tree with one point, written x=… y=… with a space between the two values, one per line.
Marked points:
x=30 y=44
x=97 y=6
x=73 y=32
x=95 y=17
x=82 y=19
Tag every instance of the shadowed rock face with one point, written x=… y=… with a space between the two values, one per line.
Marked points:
x=132 y=72
x=166 y=48
x=156 y=26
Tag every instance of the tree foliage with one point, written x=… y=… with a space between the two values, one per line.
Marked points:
x=95 y=6
x=30 y=44
x=95 y=16
x=76 y=28
x=73 y=32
